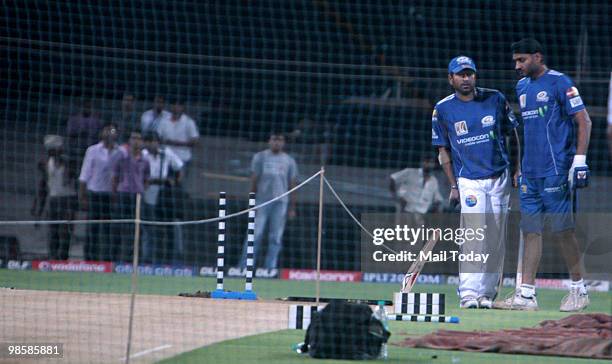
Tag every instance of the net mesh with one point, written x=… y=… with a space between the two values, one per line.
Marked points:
x=350 y=85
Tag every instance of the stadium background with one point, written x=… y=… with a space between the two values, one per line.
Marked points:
x=353 y=85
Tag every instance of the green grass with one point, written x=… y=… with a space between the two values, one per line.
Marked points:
x=275 y=347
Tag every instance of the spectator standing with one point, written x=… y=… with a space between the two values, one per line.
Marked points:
x=130 y=172
x=95 y=191
x=274 y=172
x=58 y=184
x=180 y=133
x=126 y=119
x=157 y=244
x=151 y=119
x=417 y=198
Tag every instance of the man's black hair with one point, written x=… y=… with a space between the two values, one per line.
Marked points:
x=527 y=45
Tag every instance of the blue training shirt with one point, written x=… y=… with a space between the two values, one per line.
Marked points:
x=474 y=131
x=547 y=107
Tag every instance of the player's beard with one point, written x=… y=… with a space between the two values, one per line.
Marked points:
x=465 y=89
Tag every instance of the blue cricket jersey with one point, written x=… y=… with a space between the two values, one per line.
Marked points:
x=474 y=131
x=547 y=107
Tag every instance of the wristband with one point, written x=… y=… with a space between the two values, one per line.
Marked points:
x=579 y=160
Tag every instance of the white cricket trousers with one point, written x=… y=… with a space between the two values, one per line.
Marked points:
x=484 y=205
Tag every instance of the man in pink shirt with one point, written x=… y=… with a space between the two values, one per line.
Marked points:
x=95 y=192
x=130 y=173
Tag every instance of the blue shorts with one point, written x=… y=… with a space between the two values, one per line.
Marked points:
x=548 y=199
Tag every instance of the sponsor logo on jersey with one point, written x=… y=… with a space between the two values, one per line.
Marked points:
x=476 y=139
x=524 y=188
x=488 y=120
x=434 y=135
x=523 y=101
x=553 y=189
x=461 y=127
x=542 y=96
x=575 y=101
x=572 y=92
x=531 y=114
x=541 y=111
x=471 y=200
x=434 y=116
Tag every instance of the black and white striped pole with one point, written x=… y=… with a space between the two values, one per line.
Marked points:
x=248 y=293
x=219 y=292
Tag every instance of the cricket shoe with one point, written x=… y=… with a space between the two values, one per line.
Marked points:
x=485 y=302
x=517 y=302
x=523 y=303
x=574 y=301
x=469 y=302
x=506 y=303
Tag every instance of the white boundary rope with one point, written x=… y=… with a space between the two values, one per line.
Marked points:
x=146 y=222
x=346 y=208
x=353 y=216
x=204 y=221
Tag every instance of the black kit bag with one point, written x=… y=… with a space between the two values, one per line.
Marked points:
x=344 y=330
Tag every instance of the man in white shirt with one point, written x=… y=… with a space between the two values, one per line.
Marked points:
x=151 y=119
x=161 y=161
x=180 y=133
x=58 y=184
x=417 y=191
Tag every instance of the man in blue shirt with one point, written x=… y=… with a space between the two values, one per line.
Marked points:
x=554 y=164
x=469 y=129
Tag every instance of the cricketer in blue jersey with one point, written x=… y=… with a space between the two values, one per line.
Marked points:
x=557 y=130
x=469 y=128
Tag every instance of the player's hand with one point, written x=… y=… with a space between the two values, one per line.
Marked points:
x=516 y=178
x=578 y=176
x=453 y=198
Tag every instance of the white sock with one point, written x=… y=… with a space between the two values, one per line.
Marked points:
x=579 y=285
x=527 y=290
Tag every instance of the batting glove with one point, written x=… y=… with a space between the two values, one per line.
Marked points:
x=579 y=172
